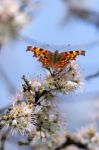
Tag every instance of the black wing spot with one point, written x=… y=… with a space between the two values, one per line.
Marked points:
x=41 y=49
x=71 y=52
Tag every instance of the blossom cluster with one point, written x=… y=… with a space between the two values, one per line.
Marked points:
x=65 y=80
x=31 y=113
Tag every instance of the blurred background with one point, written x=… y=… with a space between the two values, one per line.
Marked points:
x=55 y=24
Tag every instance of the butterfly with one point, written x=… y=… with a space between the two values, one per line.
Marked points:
x=54 y=59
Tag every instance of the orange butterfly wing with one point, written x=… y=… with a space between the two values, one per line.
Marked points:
x=36 y=50
x=43 y=54
x=46 y=56
x=66 y=57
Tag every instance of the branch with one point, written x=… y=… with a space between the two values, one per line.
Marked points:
x=71 y=140
x=0 y=47
x=87 y=15
x=90 y=77
x=75 y=9
x=3 y=140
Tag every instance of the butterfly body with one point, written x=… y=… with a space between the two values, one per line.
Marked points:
x=54 y=59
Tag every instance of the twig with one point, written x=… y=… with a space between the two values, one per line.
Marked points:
x=90 y=77
x=0 y=46
x=3 y=140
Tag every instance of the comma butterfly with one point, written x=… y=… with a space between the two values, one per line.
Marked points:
x=54 y=59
